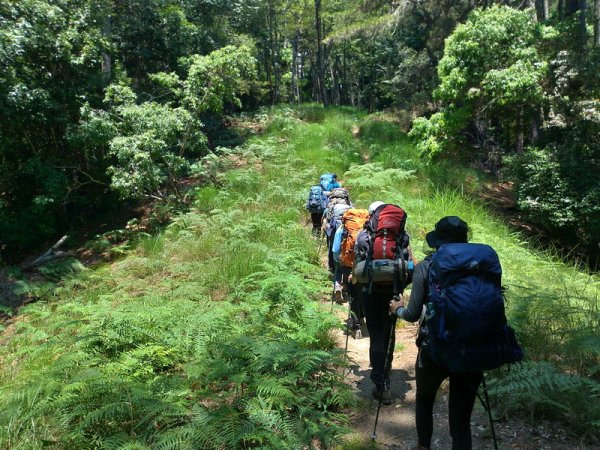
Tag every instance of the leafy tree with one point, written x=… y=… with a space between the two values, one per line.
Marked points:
x=491 y=74
x=219 y=78
x=49 y=60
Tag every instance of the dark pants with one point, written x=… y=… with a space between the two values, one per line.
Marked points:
x=463 y=390
x=341 y=275
x=356 y=301
x=316 y=222
x=379 y=325
x=330 y=260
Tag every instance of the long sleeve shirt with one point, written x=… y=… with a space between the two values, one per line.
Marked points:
x=336 y=247
x=418 y=294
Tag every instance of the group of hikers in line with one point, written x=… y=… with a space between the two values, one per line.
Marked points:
x=456 y=296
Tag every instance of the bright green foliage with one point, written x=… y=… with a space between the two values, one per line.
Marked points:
x=492 y=57
x=491 y=69
x=373 y=177
x=147 y=141
x=151 y=142
x=219 y=78
x=441 y=134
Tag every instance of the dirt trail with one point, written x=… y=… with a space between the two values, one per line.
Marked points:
x=396 y=430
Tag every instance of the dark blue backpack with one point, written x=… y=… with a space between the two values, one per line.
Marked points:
x=466 y=321
x=328 y=181
x=317 y=201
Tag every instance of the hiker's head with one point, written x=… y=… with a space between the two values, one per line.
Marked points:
x=373 y=206
x=450 y=229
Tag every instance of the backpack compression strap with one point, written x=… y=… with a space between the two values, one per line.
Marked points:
x=400 y=273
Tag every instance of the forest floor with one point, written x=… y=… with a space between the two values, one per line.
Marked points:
x=396 y=429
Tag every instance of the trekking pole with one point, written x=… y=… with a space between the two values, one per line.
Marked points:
x=351 y=316
x=347 y=327
x=486 y=406
x=385 y=367
x=320 y=244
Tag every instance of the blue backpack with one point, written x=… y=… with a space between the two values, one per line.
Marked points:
x=466 y=322
x=328 y=181
x=317 y=201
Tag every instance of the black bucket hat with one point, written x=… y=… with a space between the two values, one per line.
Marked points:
x=448 y=230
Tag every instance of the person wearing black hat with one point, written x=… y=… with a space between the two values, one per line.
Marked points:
x=428 y=375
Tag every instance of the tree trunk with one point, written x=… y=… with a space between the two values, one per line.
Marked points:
x=335 y=87
x=561 y=9
x=530 y=4
x=345 y=87
x=519 y=144
x=320 y=65
x=106 y=57
x=582 y=25
x=545 y=9
x=596 y=23
x=541 y=7
x=294 y=68
x=571 y=7
x=535 y=128
x=272 y=20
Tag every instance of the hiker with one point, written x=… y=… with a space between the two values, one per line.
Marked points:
x=339 y=202
x=377 y=288
x=479 y=274
x=328 y=182
x=340 y=275
x=316 y=204
x=353 y=221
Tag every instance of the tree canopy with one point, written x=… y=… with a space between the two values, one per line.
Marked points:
x=107 y=102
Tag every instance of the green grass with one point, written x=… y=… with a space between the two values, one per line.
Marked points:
x=211 y=334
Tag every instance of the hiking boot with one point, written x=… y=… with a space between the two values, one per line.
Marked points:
x=357 y=334
x=337 y=293
x=345 y=296
x=386 y=398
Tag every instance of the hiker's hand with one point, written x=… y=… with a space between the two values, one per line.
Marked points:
x=395 y=304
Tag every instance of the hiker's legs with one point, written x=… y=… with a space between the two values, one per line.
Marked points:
x=316 y=223
x=379 y=324
x=337 y=281
x=341 y=274
x=330 y=261
x=345 y=272
x=463 y=390
x=429 y=377
x=355 y=291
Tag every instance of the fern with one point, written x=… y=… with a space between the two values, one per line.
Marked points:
x=542 y=390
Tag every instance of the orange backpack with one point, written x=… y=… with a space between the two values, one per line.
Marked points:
x=353 y=221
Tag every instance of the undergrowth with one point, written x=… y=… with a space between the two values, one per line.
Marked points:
x=210 y=335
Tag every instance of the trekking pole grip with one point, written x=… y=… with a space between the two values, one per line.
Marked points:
x=396 y=298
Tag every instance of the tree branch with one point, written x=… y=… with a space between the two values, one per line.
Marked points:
x=49 y=255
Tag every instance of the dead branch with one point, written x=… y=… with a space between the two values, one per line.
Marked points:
x=51 y=254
